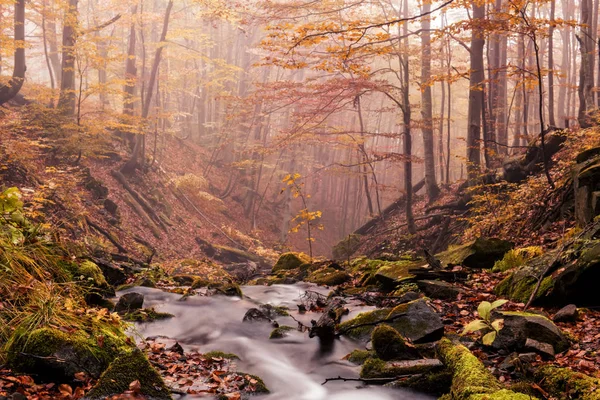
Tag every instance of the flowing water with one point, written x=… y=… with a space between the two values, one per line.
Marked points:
x=293 y=368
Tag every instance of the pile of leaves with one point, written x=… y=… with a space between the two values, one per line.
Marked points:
x=197 y=373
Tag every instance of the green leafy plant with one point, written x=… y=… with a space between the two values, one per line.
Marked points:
x=489 y=328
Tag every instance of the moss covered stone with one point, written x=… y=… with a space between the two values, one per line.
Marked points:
x=359 y=357
x=54 y=355
x=131 y=366
x=146 y=315
x=414 y=320
x=229 y=289
x=471 y=380
x=253 y=384
x=328 y=277
x=288 y=261
x=280 y=332
x=346 y=247
x=390 y=345
x=480 y=253
x=564 y=384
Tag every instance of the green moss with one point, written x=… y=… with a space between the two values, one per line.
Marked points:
x=328 y=277
x=77 y=349
x=519 y=289
x=229 y=289
x=374 y=367
x=91 y=271
x=128 y=367
x=280 y=332
x=220 y=354
x=346 y=247
x=200 y=283
x=146 y=315
x=471 y=379
x=363 y=332
x=258 y=386
x=359 y=357
x=388 y=343
x=288 y=261
x=564 y=384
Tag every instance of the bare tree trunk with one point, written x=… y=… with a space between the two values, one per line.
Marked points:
x=67 y=98
x=427 y=106
x=138 y=151
x=10 y=90
x=587 y=44
x=476 y=88
x=551 y=119
x=407 y=143
x=565 y=66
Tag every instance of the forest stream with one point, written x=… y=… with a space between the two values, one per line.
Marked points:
x=293 y=368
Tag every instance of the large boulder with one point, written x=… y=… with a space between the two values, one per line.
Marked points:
x=56 y=356
x=571 y=277
x=480 y=253
x=415 y=321
x=527 y=330
x=129 y=367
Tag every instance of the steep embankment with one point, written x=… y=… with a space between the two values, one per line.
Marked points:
x=169 y=211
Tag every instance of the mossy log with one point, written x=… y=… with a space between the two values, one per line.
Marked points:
x=563 y=384
x=471 y=380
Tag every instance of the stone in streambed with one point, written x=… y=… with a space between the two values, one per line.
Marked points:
x=390 y=345
x=130 y=302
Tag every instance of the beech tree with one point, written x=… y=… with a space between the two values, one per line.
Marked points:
x=9 y=90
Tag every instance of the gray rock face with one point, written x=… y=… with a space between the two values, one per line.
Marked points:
x=130 y=302
x=566 y=314
x=529 y=331
x=439 y=289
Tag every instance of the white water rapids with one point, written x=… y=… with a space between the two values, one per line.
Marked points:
x=292 y=367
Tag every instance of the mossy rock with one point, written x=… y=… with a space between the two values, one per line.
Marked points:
x=280 y=332
x=520 y=326
x=390 y=345
x=377 y=368
x=229 y=289
x=329 y=277
x=564 y=384
x=435 y=383
x=346 y=247
x=146 y=315
x=359 y=357
x=131 y=366
x=414 y=320
x=90 y=276
x=253 y=384
x=392 y=273
x=185 y=280
x=288 y=261
x=220 y=354
x=480 y=253
x=471 y=380
x=56 y=356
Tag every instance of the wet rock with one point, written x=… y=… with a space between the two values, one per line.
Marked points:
x=328 y=277
x=436 y=383
x=519 y=327
x=256 y=315
x=390 y=345
x=185 y=280
x=130 y=302
x=568 y=313
x=280 y=332
x=176 y=348
x=242 y=272
x=481 y=253
x=415 y=321
x=265 y=313
x=439 y=290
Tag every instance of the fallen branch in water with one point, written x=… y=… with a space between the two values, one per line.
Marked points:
x=374 y=381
